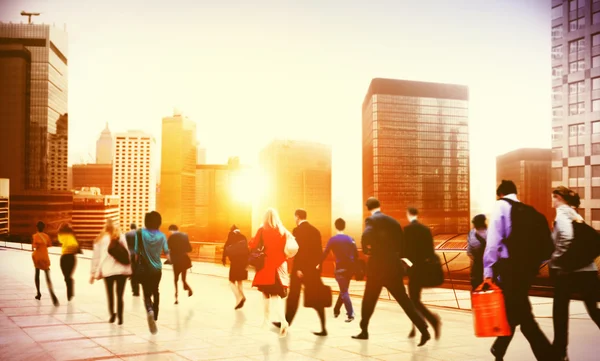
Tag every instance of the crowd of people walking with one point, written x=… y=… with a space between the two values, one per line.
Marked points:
x=508 y=252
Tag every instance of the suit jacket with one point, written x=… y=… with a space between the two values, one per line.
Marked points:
x=382 y=241
x=310 y=252
x=179 y=246
x=418 y=243
x=130 y=237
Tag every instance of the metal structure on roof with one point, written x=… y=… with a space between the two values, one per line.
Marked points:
x=450 y=242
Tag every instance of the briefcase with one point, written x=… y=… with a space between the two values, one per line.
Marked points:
x=489 y=311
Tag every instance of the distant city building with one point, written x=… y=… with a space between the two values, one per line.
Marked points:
x=217 y=208
x=93 y=175
x=4 y=207
x=70 y=178
x=176 y=198
x=104 y=147
x=91 y=210
x=33 y=106
x=575 y=61
x=28 y=208
x=530 y=170
x=298 y=175
x=134 y=179
x=201 y=158
x=415 y=143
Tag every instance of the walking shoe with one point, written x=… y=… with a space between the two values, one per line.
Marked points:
x=152 y=323
x=349 y=319
x=336 y=314
x=38 y=297
x=361 y=336
x=322 y=333
x=424 y=338
x=55 y=301
x=496 y=357
x=412 y=333
x=112 y=318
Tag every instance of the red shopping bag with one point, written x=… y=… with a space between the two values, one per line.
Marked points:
x=489 y=312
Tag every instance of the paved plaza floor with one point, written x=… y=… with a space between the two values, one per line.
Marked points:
x=205 y=326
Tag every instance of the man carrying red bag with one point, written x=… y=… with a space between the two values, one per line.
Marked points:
x=519 y=241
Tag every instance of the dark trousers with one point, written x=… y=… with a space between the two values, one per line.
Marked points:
x=183 y=272
x=343 y=280
x=393 y=282
x=67 y=265
x=110 y=282
x=515 y=286
x=135 y=282
x=585 y=283
x=48 y=282
x=150 y=282
x=311 y=281
x=414 y=292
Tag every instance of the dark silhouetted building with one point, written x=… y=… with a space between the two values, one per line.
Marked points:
x=416 y=151
x=530 y=170
x=93 y=175
x=298 y=175
x=91 y=210
x=4 y=207
x=27 y=208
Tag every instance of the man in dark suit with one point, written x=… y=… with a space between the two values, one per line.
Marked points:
x=130 y=237
x=418 y=247
x=305 y=271
x=382 y=241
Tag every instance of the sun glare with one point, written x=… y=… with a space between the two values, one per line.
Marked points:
x=247 y=186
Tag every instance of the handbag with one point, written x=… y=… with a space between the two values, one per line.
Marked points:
x=291 y=245
x=489 y=311
x=119 y=253
x=257 y=255
x=237 y=250
x=430 y=272
x=326 y=296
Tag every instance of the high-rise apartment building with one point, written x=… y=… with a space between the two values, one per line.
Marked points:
x=33 y=106
x=104 y=147
x=93 y=175
x=416 y=151
x=298 y=175
x=575 y=58
x=91 y=210
x=176 y=200
x=530 y=170
x=134 y=178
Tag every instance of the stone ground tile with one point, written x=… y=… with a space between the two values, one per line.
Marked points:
x=166 y=356
x=367 y=349
x=14 y=336
x=24 y=352
x=34 y=310
x=39 y=320
x=135 y=348
x=78 y=318
x=7 y=323
x=404 y=357
x=211 y=353
x=52 y=333
x=100 y=330
x=328 y=353
x=290 y=356
x=182 y=345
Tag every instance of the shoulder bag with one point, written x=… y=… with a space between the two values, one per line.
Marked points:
x=257 y=255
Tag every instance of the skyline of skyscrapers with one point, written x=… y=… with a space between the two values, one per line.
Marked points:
x=134 y=179
x=416 y=151
x=176 y=199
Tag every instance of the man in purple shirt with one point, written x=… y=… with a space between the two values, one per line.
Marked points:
x=515 y=286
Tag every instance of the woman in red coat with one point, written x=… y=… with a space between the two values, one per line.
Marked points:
x=273 y=280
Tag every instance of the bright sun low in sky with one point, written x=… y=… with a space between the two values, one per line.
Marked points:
x=251 y=71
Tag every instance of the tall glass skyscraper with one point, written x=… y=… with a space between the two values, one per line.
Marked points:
x=43 y=127
x=416 y=151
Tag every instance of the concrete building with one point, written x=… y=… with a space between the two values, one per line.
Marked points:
x=176 y=199
x=27 y=208
x=4 y=207
x=530 y=170
x=91 y=210
x=33 y=106
x=416 y=151
x=93 y=175
x=576 y=101
x=217 y=207
x=297 y=175
x=104 y=147
x=134 y=178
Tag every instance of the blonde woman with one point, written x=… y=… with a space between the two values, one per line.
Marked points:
x=112 y=262
x=273 y=280
x=68 y=259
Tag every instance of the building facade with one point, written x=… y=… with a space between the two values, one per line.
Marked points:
x=93 y=175
x=91 y=211
x=530 y=170
x=4 y=207
x=35 y=102
x=575 y=60
x=104 y=147
x=28 y=208
x=176 y=199
x=134 y=178
x=416 y=151
x=297 y=175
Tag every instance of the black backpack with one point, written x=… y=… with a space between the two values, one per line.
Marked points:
x=530 y=241
x=583 y=249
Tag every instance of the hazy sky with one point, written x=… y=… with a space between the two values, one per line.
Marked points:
x=248 y=71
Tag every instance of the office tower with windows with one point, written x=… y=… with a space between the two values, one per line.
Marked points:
x=93 y=175
x=4 y=207
x=33 y=106
x=176 y=200
x=91 y=211
x=134 y=177
x=530 y=170
x=575 y=33
x=298 y=175
x=104 y=147
x=416 y=151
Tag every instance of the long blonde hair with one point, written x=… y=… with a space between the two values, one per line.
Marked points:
x=111 y=229
x=272 y=221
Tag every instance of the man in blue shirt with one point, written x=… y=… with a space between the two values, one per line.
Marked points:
x=150 y=242
x=346 y=255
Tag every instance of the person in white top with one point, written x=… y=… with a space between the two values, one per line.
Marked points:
x=112 y=270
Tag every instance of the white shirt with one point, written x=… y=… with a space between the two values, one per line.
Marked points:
x=103 y=264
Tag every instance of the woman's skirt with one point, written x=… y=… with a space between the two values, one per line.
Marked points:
x=276 y=289
x=238 y=272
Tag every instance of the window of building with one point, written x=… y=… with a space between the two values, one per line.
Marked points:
x=577 y=177
x=596 y=17
x=557 y=52
x=557 y=153
x=576 y=4
x=557 y=174
x=595 y=148
x=596 y=126
x=557 y=133
x=557 y=32
x=576 y=99
x=576 y=55
x=596 y=61
x=576 y=141
x=595 y=192
x=596 y=105
x=557 y=113
x=557 y=95
x=557 y=12
x=557 y=72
